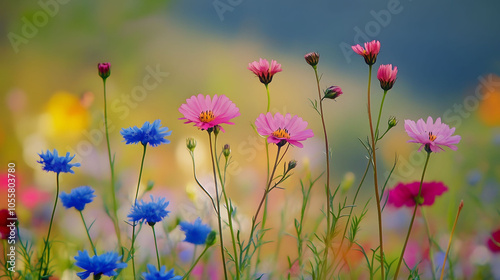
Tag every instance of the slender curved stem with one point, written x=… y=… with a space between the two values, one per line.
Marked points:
x=379 y=115
x=375 y=177
x=199 y=184
x=88 y=234
x=218 y=207
x=451 y=236
x=135 y=202
x=195 y=263
x=112 y=168
x=48 y=233
x=412 y=217
x=429 y=237
x=156 y=247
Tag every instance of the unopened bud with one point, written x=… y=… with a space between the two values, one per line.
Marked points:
x=226 y=151
x=312 y=58
x=216 y=130
x=392 y=122
x=211 y=238
x=292 y=164
x=104 y=70
x=332 y=92
x=191 y=144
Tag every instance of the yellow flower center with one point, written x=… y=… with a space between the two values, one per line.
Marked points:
x=432 y=137
x=281 y=133
x=207 y=116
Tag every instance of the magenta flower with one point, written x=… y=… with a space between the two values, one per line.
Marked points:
x=263 y=70
x=387 y=76
x=206 y=113
x=104 y=70
x=431 y=135
x=407 y=194
x=370 y=51
x=282 y=129
x=494 y=245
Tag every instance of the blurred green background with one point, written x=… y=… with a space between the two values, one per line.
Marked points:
x=163 y=52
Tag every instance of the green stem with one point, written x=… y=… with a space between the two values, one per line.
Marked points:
x=48 y=233
x=196 y=262
x=412 y=217
x=218 y=207
x=375 y=179
x=88 y=234
x=199 y=184
x=112 y=168
x=327 y=186
x=131 y=251
x=156 y=247
x=449 y=241
x=228 y=208
x=268 y=99
x=379 y=115
x=429 y=237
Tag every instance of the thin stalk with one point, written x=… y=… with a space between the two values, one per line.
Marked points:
x=229 y=211
x=48 y=233
x=218 y=207
x=375 y=177
x=198 y=182
x=156 y=247
x=327 y=187
x=264 y=214
x=451 y=236
x=412 y=217
x=135 y=202
x=195 y=263
x=429 y=237
x=379 y=115
x=88 y=234
x=112 y=168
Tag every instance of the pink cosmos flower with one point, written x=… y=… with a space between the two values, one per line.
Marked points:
x=282 y=129
x=370 y=51
x=206 y=113
x=387 y=76
x=263 y=70
x=431 y=135
x=493 y=246
x=407 y=194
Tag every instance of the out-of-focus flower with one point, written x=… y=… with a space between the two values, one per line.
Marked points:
x=369 y=52
x=78 y=197
x=490 y=101
x=53 y=162
x=65 y=117
x=98 y=265
x=283 y=129
x=196 y=233
x=407 y=194
x=494 y=242
x=332 y=92
x=162 y=274
x=312 y=58
x=263 y=70
x=104 y=70
x=431 y=135
x=151 y=134
x=206 y=113
x=151 y=212
x=5 y=222
x=387 y=76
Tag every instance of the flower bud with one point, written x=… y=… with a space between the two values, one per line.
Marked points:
x=211 y=238
x=312 y=58
x=226 y=151
x=216 y=130
x=104 y=70
x=292 y=164
x=332 y=92
x=191 y=144
x=392 y=122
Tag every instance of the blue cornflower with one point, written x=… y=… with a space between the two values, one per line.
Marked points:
x=196 y=233
x=104 y=264
x=150 y=134
x=163 y=274
x=53 y=162
x=151 y=212
x=78 y=197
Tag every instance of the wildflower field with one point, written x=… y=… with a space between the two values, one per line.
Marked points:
x=151 y=141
